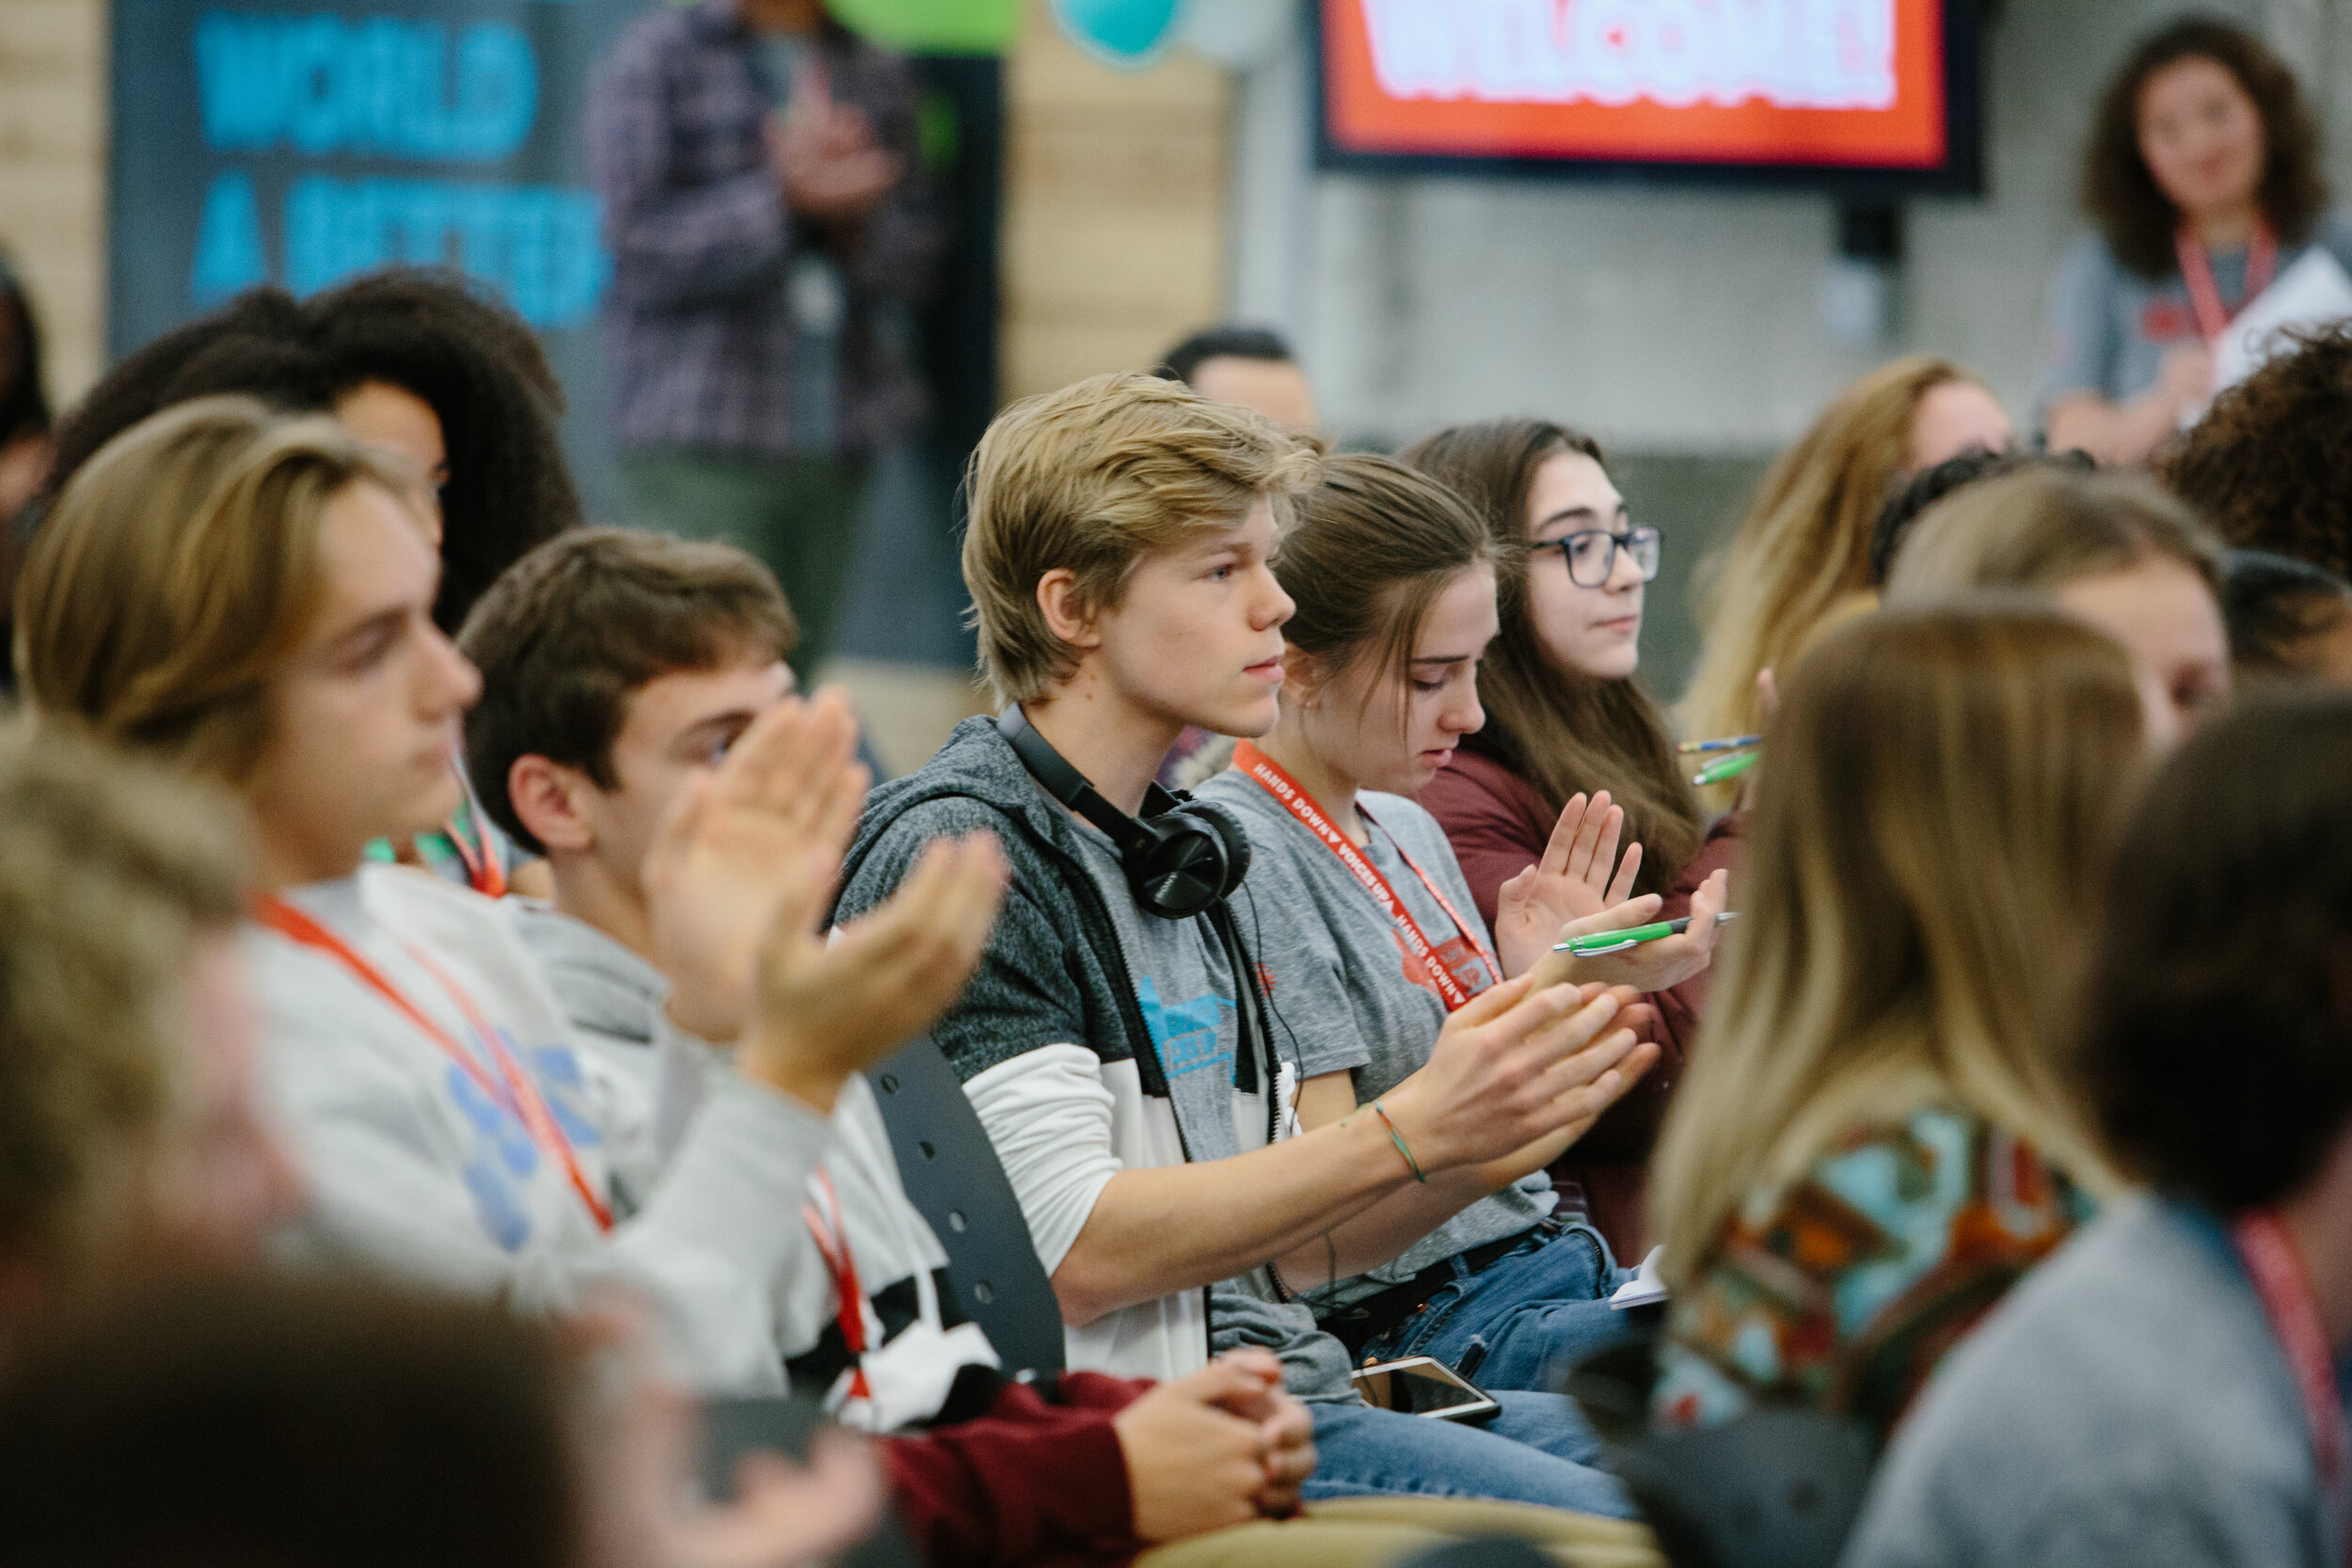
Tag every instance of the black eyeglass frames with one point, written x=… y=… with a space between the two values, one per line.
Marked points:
x=1591 y=553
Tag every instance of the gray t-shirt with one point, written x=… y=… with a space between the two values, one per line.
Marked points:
x=2105 y=329
x=1349 y=997
x=1185 y=985
x=2127 y=1406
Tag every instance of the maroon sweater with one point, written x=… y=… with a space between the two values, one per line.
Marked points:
x=1498 y=826
x=1035 y=1482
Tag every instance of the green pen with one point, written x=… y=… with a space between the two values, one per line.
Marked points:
x=1724 y=767
x=1632 y=936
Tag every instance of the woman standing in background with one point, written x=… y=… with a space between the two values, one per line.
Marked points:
x=2203 y=179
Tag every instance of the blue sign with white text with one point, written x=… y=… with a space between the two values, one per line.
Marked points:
x=262 y=141
x=302 y=142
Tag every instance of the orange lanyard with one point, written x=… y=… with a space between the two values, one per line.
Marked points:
x=2274 y=1267
x=519 y=1094
x=2204 y=296
x=833 y=1241
x=1301 y=806
x=484 y=873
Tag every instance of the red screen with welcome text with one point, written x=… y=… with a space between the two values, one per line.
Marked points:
x=1831 y=83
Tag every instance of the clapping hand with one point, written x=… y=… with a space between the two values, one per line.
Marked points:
x=825 y=154
x=1597 y=1078
x=1645 y=966
x=739 y=877
x=1580 y=876
x=1518 y=1064
x=829 y=1008
x=755 y=840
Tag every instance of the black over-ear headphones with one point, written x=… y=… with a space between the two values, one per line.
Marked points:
x=1182 y=857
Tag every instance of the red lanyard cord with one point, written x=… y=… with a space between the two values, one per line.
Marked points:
x=519 y=1094
x=832 y=1242
x=2273 y=1265
x=484 y=873
x=2204 y=296
x=1269 y=775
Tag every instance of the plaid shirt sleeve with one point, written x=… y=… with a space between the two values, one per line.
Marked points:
x=674 y=245
x=897 y=250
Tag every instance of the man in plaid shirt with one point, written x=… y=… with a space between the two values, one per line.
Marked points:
x=770 y=236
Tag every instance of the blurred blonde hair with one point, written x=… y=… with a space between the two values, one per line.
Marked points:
x=109 y=869
x=1942 y=791
x=2040 y=529
x=176 y=570
x=1806 y=542
x=1092 y=478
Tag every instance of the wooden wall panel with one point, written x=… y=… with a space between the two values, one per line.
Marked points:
x=1114 y=237
x=53 y=176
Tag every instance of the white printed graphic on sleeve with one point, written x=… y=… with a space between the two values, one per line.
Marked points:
x=1791 y=53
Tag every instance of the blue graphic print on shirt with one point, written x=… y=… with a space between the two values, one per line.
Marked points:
x=1185 y=1033
x=502 y=1160
x=557 y=1073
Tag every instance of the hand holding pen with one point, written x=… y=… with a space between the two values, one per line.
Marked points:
x=1645 y=962
x=1601 y=943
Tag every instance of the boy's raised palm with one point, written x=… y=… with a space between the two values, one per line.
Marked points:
x=754 y=842
x=829 y=1008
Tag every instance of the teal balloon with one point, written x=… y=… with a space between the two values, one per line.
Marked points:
x=1125 y=32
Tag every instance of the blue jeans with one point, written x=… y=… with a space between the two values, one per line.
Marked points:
x=1538 y=1450
x=1526 y=1319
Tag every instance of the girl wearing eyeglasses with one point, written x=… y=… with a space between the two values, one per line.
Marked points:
x=1565 y=719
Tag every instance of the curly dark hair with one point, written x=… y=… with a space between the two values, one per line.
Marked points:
x=2122 y=196
x=2215 y=1046
x=2267 y=463
x=428 y=332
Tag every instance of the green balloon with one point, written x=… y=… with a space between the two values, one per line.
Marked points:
x=933 y=26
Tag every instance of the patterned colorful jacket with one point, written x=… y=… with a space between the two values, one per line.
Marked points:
x=1844 y=1290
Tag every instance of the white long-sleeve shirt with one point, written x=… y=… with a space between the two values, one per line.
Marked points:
x=915 y=1342
x=413 y=1169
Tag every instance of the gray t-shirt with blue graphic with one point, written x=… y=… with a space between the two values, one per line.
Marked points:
x=1185 y=985
x=1347 y=996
